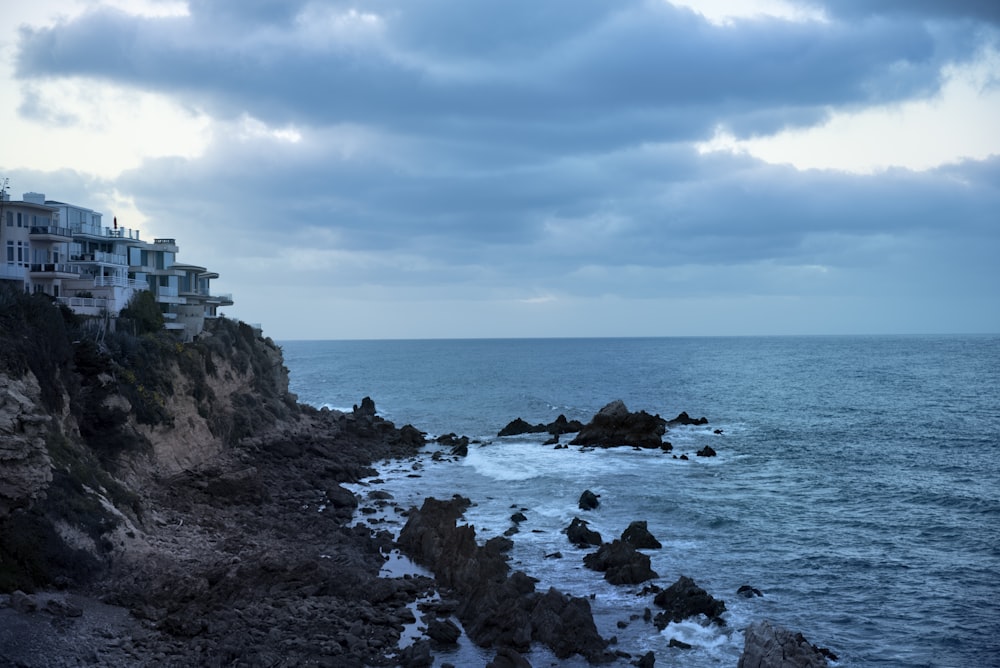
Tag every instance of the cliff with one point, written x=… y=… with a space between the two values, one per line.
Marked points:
x=181 y=491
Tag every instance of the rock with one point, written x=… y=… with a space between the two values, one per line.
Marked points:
x=685 y=419
x=685 y=599
x=508 y=658
x=707 y=451
x=746 y=591
x=589 y=500
x=648 y=660
x=767 y=645
x=614 y=425
x=518 y=517
x=496 y=609
x=679 y=644
x=638 y=536
x=417 y=655
x=341 y=497
x=580 y=534
x=558 y=426
x=621 y=563
x=23 y=602
x=445 y=632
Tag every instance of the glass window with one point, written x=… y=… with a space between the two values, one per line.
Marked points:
x=10 y=219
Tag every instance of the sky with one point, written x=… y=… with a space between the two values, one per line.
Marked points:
x=514 y=168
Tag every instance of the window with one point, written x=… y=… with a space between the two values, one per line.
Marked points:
x=10 y=219
x=19 y=222
x=10 y=252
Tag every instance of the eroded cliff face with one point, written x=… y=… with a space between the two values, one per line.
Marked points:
x=83 y=433
x=25 y=466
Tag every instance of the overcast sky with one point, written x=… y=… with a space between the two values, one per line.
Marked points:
x=495 y=168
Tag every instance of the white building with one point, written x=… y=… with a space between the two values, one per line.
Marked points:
x=66 y=251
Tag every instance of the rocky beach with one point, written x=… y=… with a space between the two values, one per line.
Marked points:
x=172 y=504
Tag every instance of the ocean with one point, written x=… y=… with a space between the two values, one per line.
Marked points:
x=857 y=482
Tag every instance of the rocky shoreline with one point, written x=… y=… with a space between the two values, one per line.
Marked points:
x=169 y=505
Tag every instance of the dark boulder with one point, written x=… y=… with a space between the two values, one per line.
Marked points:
x=445 y=632
x=770 y=646
x=685 y=419
x=519 y=426
x=621 y=563
x=589 y=500
x=685 y=599
x=648 y=660
x=614 y=425
x=638 y=536
x=341 y=497
x=707 y=451
x=580 y=534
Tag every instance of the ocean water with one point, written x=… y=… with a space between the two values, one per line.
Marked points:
x=857 y=482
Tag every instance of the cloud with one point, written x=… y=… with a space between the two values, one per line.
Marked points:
x=535 y=157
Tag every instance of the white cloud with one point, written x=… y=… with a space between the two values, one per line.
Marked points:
x=959 y=122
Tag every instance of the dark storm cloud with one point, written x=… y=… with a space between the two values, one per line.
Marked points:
x=507 y=72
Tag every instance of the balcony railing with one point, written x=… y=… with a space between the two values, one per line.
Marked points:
x=11 y=271
x=165 y=291
x=119 y=282
x=85 y=302
x=52 y=268
x=100 y=256
x=165 y=241
x=51 y=230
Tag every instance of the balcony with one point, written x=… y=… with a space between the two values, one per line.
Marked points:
x=119 y=282
x=48 y=269
x=101 y=257
x=50 y=233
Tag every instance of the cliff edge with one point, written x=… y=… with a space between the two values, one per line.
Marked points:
x=177 y=498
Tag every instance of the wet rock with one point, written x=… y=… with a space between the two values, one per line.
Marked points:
x=746 y=591
x=767 y=645
x=648 y=660
x=621 y=563
x=638 y=536
x=685 y=599
x=581 y=535
x=707 y=451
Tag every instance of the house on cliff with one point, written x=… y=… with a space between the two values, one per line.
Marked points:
x=67 y=252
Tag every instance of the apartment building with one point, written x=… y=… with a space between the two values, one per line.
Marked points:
x=66 y=251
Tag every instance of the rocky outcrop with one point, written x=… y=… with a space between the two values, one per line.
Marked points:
x=497 y=609
x=621 y=563
x=637 y=535
x=685 y=599
x=557 y=427
x=589 y=500
x=183 y=487
x=767 y=645
x=684 y=419
x=614 y=425
x=581 y=535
